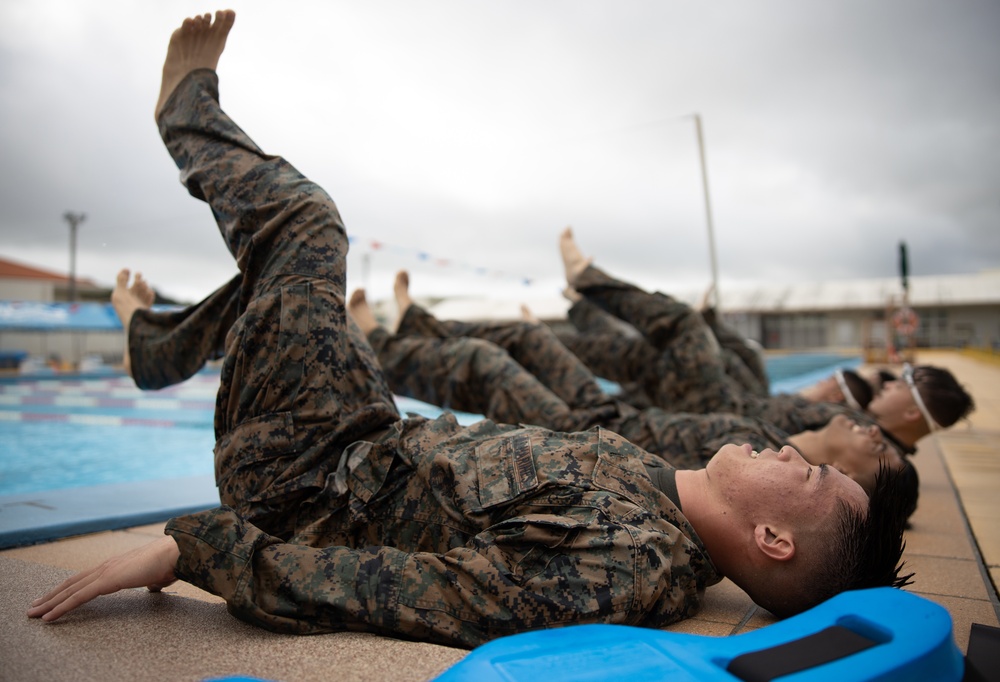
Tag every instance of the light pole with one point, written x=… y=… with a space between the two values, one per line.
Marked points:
x=708 y=212
x=74 y=219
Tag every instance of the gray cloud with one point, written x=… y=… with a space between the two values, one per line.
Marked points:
x=474 y=131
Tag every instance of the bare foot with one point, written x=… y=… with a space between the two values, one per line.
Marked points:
x=141 y=290
x=528 y=316
x=126 y=300
x=401 y=287
x=197 y=44
x=572 y=295
x=573 y=259
x=362 y=313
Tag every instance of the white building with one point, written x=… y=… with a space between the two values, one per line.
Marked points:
x=26 y=284
x=853 y=315
x=951 y=311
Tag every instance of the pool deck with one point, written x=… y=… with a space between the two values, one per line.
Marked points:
x=186 y=634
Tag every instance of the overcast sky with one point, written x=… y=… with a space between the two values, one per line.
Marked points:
x=458 y=137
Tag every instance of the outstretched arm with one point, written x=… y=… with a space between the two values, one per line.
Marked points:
x=150 y=566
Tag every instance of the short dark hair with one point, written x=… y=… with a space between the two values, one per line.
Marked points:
x=884 y=376
x=945 y=398
x=864 y=551
x=873 y=543
x=909 y=487
x=860 y=389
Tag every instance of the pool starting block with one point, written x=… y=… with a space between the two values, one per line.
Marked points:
x=881 y=634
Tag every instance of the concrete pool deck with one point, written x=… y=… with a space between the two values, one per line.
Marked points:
x=186 y=634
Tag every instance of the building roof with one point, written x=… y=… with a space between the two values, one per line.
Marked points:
x=929 y=291
x=12 y=270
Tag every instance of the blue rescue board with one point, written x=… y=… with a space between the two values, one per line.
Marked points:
x=881 y=634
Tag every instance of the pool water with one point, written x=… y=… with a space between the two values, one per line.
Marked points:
x=53 y=455
x=79 y=432
x=794 y=371
x=68 y=433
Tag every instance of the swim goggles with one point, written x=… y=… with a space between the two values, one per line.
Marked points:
x=908 y=378
x=848 y=396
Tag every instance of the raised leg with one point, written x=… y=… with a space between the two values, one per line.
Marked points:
x=688 y=374
x=298 y=382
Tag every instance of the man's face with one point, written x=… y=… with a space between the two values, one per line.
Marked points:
x=858 y=450
x=828 y=390
x=871 y=375
x=780 y=487
x=892 y=402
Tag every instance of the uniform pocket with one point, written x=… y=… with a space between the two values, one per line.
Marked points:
x=546 y=548
x=505 y=470
x=257 y=475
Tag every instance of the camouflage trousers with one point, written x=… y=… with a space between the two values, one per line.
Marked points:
x=519 y=371
x=677 y=360
x=512 y=372
x=340 y=515
x=743 y=362
x=674 y=356
x=597 y=331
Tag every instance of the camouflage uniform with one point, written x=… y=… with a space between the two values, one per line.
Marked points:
x=165 y=348
x=519 y=371
x=514 y=373
x=677 y=361
x=598 y=336
x=743 y=363
x=339 y=514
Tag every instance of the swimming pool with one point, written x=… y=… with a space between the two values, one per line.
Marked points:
x=65 y=433
x=69 y=433
x=791 y=372
x=95 y=453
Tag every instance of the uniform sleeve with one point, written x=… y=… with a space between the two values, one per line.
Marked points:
x=285 y=587
x=795 y=414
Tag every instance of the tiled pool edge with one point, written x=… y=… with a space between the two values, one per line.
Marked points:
x=32 y=518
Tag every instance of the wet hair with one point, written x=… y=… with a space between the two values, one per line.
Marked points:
x=864 y=550
x=909 y=484
x=860 y=389
x=945 y=398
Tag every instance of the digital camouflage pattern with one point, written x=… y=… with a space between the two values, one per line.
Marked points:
x=484 y=368
x=677 y=360
x=599 y=338
x=743 y=363
x=339 y=514
x=162 y=351
x=674 y=357
x=514 y=373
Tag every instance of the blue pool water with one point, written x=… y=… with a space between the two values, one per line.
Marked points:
x=60 y=433
x=52 y=456
x=66 y=432
x=792 y=372
x=69 y=433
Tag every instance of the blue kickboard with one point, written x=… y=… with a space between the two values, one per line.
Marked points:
x=910 y=638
